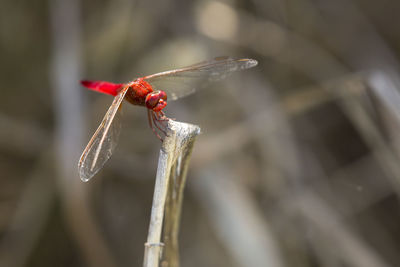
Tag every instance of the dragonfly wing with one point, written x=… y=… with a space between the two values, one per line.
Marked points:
x=104 y=140
x=181 y=82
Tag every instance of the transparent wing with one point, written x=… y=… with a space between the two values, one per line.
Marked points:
x=181 y=82
x=104 y=140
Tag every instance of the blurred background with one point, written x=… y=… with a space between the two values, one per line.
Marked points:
x=298 y=162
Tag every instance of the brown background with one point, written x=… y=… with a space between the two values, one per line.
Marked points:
x=297 y=164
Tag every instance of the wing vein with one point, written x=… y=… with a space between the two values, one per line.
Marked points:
x=90 y=161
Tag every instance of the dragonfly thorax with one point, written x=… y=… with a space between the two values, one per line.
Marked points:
x=141 y=93
x=137 y=92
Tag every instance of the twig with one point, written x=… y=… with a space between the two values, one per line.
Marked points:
x=170 y=180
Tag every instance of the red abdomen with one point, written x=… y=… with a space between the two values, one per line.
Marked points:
x=103 y=87
x=136 y=95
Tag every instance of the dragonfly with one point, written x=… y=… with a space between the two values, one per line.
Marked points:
x=152 y=92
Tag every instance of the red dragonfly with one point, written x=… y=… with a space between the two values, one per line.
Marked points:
x=150 y=91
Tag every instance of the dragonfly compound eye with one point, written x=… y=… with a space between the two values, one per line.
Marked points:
x=156 y=100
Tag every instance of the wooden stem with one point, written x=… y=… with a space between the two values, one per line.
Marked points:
x=170 y=181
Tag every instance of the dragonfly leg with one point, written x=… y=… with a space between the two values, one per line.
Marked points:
x=151 y=123
x=160 y=115
x=163 y=117
x=157 y=121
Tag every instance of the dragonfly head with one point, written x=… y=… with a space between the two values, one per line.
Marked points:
x=156 y=100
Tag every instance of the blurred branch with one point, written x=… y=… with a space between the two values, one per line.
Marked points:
x=351 y=94
x=339 y=237
x=170 y=181
x=238 y=220
x=355 y=51
x=233 y=210
x=68 y=102
x=13 y=136
x=288 y=47
x=32 y=211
